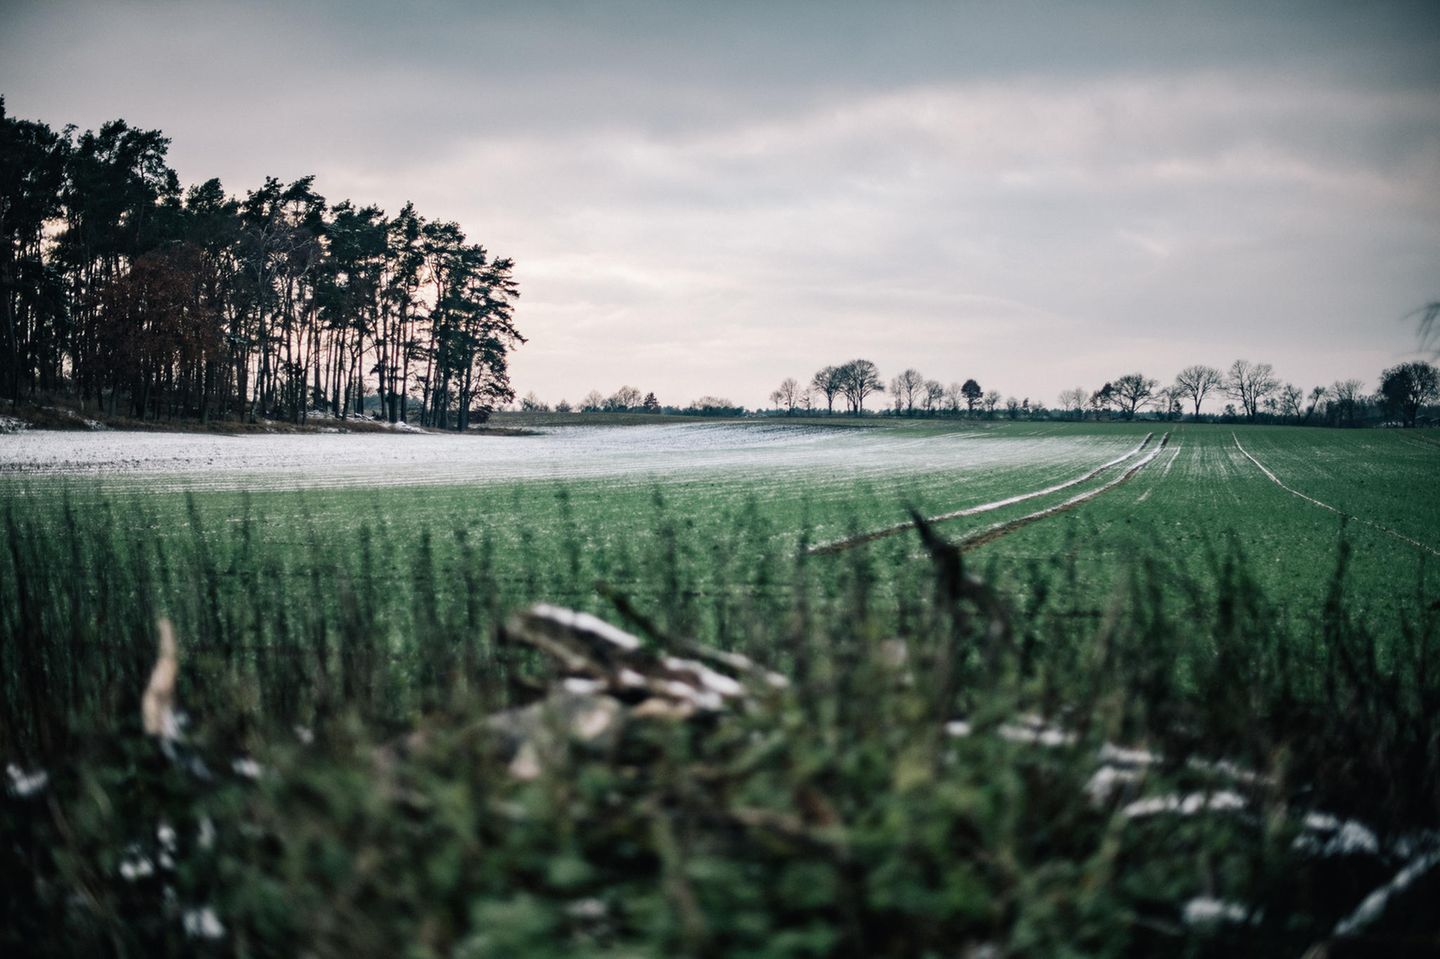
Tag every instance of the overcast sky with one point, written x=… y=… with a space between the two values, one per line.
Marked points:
x=708 y=197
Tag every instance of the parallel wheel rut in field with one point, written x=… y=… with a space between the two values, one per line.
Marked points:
x=870 y=537
x=1170 y=463
x=1310 y=499
x=1435 y=444
x=992 y=533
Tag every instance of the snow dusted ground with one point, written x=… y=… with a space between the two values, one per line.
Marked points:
x=170 y=461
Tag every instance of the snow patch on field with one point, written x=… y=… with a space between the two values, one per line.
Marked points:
x=1170 y=463
x=171 y=461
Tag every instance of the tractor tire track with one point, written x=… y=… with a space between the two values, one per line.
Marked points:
x=1170 y=464
x=1310 y=499
x=850 y=542
x=992 y=533
x=1420 y=442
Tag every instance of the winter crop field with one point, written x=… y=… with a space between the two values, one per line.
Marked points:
x=1190 y=699
x=573 y=503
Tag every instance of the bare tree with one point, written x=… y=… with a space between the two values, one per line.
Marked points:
x=1197 y=382
x=1101 y=399
x=859 y=379
x=789 y=395
x=593 y=402
x=623 y=399
x=1347 y=397
x=1291 y=397
x=992 y=400
x=934 y=396
x=1250 y=384
x=906 y=389
x=1317 y=396
x=828 y=383
x=1132 y=392
x=954 y=397
x=1073 y=401
x=1012 y=408
x=1172 y=401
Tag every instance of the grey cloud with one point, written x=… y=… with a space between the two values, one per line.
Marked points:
x=705 y=198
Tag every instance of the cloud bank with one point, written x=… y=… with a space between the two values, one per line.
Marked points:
x=707 y=200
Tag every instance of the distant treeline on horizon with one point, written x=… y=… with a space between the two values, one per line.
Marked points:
x=138 y=298
x=1405 y=392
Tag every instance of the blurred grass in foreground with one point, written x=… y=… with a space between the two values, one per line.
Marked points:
x=840 y=819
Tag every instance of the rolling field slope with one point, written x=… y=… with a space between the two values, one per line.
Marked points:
x=561 y=510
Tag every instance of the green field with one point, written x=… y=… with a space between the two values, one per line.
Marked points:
x=709 y=534
x=1192 y=609
x=553 y=538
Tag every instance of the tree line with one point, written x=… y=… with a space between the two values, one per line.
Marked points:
x=628 y=399
x=137 y=297
x=911 y=393
x=1255 y=392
